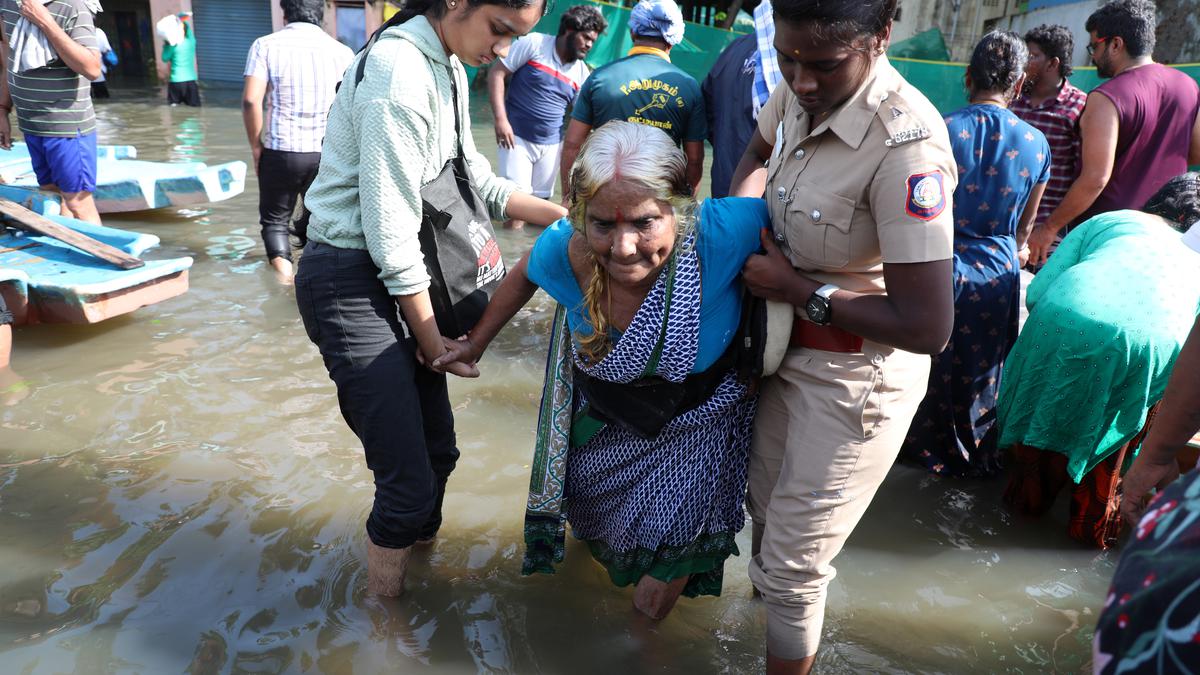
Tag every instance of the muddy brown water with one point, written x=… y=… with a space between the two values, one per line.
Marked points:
x=179 y=493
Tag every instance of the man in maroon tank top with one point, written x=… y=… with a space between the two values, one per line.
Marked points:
x=1138 y=129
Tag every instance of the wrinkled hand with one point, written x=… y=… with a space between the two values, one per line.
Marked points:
x=36 y=12
x=1145 y=473
x=504 y=134
x=5 y=131
x=460 y=359
x=1040 y=241
x=770 y=275
x=1022 y=258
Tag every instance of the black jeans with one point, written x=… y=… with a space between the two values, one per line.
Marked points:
x=282 y=178
x=399 y=409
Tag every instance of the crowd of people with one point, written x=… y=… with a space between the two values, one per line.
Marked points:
x=893 y=237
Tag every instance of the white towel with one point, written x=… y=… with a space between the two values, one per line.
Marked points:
x=31 y=48
x=170 y=29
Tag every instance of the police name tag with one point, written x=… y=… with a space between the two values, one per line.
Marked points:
x=907 y=136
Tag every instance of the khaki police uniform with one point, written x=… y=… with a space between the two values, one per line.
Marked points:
x=870 y=185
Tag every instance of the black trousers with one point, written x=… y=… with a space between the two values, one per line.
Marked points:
x=187 y=93
x=283 y=177
x=399 y=409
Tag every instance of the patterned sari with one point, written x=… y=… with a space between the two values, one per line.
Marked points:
x=668 y=507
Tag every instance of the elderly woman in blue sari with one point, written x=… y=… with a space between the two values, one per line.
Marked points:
x=644 y=430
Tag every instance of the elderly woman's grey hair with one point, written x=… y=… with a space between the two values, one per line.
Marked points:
x=643 y=155
x=632 y=152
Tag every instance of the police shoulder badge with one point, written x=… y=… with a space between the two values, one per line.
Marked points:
x=926 y=195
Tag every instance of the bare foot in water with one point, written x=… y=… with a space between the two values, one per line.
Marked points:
x=655 y=598
x=13 y=387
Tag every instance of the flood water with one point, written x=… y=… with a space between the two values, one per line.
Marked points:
x=179 y=493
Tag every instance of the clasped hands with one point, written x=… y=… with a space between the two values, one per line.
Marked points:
x=460 y=358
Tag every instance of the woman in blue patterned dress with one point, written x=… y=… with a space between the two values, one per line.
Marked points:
x=1003 y=166
x=644 y=430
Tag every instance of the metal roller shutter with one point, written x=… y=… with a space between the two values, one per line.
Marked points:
x=225 y=29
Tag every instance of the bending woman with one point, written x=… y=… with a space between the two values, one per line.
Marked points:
x=859 y=187
x=1108 y=316
x=388 y=136
x=644 y=426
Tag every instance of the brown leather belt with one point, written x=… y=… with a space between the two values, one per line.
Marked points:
x=827 y=338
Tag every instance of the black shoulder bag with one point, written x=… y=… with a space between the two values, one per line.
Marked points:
x=461 y=253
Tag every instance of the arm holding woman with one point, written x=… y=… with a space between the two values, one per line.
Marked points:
x=510 y=297
x=915 y=315
x=917 y=311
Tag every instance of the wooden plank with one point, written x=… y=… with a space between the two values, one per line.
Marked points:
x=28 y=220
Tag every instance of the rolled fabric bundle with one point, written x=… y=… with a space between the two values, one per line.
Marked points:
x=170 y=29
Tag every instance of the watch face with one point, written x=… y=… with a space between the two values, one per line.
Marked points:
x=817 y=309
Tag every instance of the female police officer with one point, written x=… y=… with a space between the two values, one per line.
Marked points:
x=858 y=182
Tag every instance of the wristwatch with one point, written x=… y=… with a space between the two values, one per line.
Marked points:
x=818 y=308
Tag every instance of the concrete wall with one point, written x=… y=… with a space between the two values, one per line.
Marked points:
x=1073 y=16
x=962 y=22
x=1178 y=32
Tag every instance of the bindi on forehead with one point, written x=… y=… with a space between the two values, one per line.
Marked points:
x=620 y=216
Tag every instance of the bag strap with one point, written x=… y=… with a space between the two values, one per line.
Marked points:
x=362 y=62
x=361 y=71
x=457 y=119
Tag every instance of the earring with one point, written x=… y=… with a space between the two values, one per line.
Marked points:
x=453 y=4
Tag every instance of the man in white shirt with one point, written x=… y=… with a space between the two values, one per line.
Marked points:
x=546 y=74
x=297 y=70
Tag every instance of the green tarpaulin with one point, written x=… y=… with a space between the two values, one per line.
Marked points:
x=929 y=45
x=695 y=55
x=942 y=82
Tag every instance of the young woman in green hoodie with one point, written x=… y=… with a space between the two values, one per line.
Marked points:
x=362 y=284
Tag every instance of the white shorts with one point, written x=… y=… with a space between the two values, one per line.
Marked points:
x=533 y=167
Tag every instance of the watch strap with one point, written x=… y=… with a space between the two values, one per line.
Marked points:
x=827 y=290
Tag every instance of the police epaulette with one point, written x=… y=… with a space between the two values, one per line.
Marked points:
x=902 y=127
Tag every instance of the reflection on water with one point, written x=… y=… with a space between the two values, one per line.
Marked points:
x=179 y=493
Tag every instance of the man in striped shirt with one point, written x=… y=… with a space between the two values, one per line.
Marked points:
x=54 y=101
x=1052 y=105
x=297 y=69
